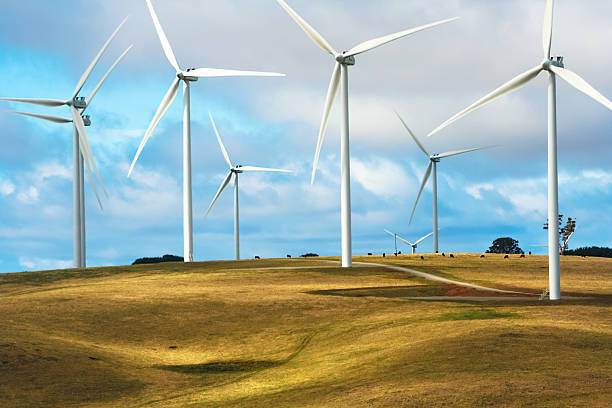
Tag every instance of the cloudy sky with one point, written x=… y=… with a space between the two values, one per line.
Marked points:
x=273 y=122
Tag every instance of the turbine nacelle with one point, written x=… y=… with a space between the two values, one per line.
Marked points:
x=184 y=76
x=553 y=61
x=345 y=60
x=78 y=102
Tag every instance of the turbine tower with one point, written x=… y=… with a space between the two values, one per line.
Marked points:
x=81 y=150
x=434 y=159
x=410 y=244
x=340 y=77
x=554 y=67
x=185 y=76
x=234 y=171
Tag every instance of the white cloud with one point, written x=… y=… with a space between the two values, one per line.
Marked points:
x=7 y=188
x=476 y=190
x=40 y=264
x=381 y=177
x=28 y=196
x=52 y=169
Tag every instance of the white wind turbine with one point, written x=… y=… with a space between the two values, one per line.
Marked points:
x=554 y=67
x=234 y=171
x=340 y=76
x=186 y=76
x=410 y=244
x=81 y=149
x=434 y=159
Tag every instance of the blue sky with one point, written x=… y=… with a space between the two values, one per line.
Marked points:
x=273 y=122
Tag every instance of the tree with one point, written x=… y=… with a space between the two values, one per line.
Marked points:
x=565 y=232
x=505 y=245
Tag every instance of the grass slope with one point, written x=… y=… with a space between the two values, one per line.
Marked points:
x=308 y=333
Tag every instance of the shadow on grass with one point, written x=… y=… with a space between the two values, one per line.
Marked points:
x=234 y=366
x=476 y=314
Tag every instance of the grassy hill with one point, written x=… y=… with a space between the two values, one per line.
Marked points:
x=280 y=333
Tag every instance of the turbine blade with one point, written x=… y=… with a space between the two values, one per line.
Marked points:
x=95 y=90
x=377 y=42
x=223 y=185
x=508 y=87
x=425 y=178
x=80 y=129
x=50 y=118
x=577 y=82
x=84 y=142
x=163 y=107
x=214 y=72
x=253 y=168
x=87 y=72
x=398 y=237
x=311 y=32
x=547 y=28
x=51 y=103
x=413 y=135
x=331 y=95
x=423 y=238
x=227 y=159
x=456 y=152
x=162 y=38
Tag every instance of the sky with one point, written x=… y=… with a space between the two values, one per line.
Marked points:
x=273 y=122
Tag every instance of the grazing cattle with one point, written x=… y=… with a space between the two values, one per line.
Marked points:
x=506 y=257
x=482 y=256
x=383 y=254
x=288 y=256
x=369 y=254
x=443 y=254
x=522 y=255
x=422 y=257
x=452 y=256
x=257 y=257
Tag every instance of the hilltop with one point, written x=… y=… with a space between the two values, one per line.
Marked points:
x=296 y=332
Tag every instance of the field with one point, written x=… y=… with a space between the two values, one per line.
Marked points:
x=306 y=333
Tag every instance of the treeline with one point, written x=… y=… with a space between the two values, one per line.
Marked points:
x=590 y=251
x=165 y=258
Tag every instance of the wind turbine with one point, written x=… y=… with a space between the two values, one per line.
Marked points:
x=81 y=150
x=234 y=171
x=434 y=159
x=186 y=76
x=340 y=76
x=410 y=244
x=554 y=67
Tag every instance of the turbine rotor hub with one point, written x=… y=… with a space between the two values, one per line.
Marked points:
x=344 y=60
x=79 y=102
x=435 y=158
x=553 y=61
x=187 y=78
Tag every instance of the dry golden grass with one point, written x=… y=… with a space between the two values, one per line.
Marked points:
x=239 y=334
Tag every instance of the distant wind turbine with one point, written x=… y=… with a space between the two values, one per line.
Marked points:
x=554 y=67
x=410 y=244
x=340 y=77
x=187 y=76
x=81 y=149
x=234 y=171
x=434 y=159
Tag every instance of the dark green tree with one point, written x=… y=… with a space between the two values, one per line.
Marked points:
x=505 y=245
